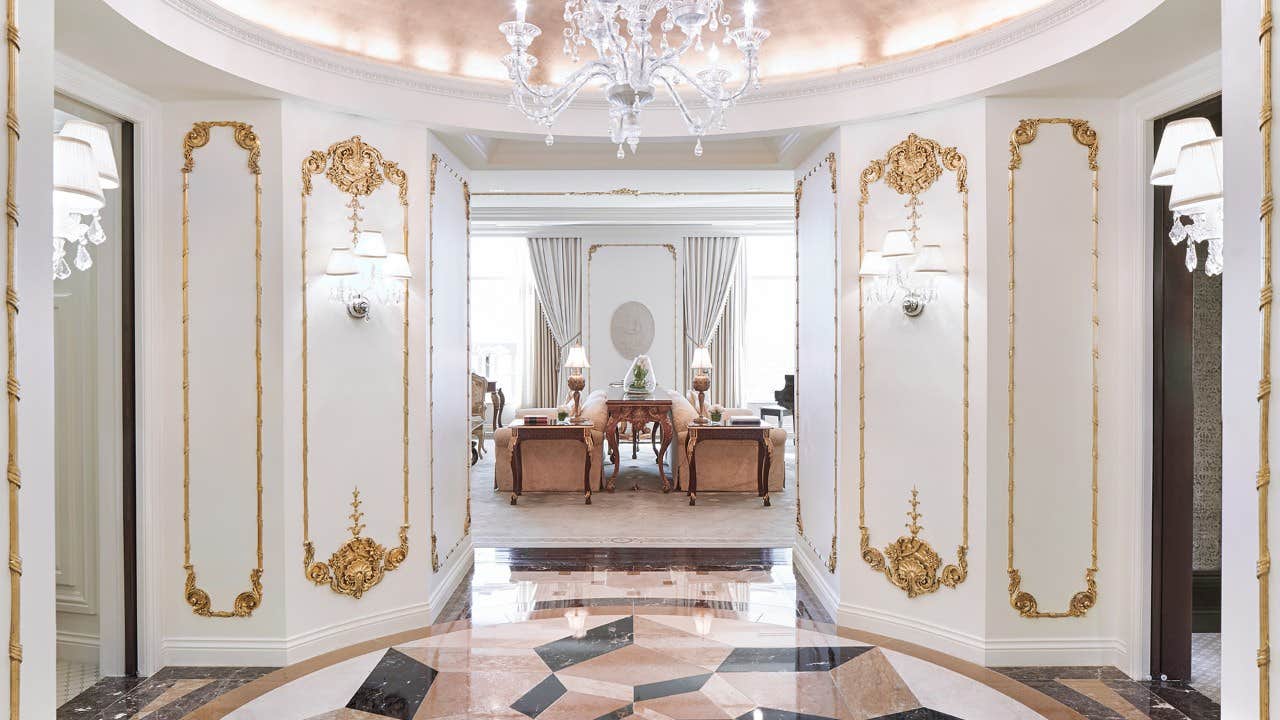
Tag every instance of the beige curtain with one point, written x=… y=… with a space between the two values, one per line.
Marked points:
x=543 y=391
x=726 y=346
x=710 y=264
x=556 y=263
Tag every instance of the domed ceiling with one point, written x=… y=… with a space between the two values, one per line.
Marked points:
x=461 y=39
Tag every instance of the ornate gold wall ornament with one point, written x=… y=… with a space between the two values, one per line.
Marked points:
x=911 y=167
x=12 y=389
x=828 y=163
x=1266 y=215
x=249 y=600
x=357 y=169
x=1024 y=602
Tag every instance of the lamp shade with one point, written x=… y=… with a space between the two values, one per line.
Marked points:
x=1177 y=135
x=701 y=359
x=100 y=141
x=897 y=243
x=577 y=358
x=873 y=264
x=76 y=187
x=396 y=266
x=369 y=244
x=341 y=263
x=1199 y=176
x=930 y=260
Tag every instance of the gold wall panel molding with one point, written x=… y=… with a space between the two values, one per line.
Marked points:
x=829 y=164
x=910 y=563
x=438 y=163
x=197 y=137
x=1266 y=33
x=675 y=307
x=357 y=169
x=12 y=389
x=1024 y=602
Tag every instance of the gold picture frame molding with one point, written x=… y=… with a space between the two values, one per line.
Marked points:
x=675 y=283
x=1024 y=602
x=1266 y=216
x=910 y=563
x=12 y=389
x=197 y=137
x=828 y=163
x=358 y=169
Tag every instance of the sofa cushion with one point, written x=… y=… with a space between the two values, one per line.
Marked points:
x=682 y=411
x=595 y=409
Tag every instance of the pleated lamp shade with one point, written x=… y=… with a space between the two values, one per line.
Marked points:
x=396 y=266
x=370 y=244
x=873 y=264
x=100 y=141
x=577 y=358
x=1199 y=177
x=701 y=359
x=341 y=263
x=930 y=260
x=76 y=187
x=897 y=243
x=1177 y=135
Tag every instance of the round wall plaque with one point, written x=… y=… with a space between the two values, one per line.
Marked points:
x=632 y=329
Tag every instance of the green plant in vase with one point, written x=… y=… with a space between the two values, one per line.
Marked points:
x=640 y=378
x=717 y=413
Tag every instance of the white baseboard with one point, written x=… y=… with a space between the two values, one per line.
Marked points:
x=324 y=639
x=815 y=572
x=450 y=576
x=81 y=648
x=1057 y=651
x=952 y=642
x=198 y=651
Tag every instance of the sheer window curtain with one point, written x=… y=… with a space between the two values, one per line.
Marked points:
x=556 y=265
x=710 y=264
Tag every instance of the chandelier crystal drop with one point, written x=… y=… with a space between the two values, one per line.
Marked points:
x=637 y=50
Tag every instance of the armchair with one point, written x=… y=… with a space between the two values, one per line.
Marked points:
x=553 y=465
x=724 y=465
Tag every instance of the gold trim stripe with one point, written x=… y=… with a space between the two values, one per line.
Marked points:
x=1266 y=211
x=13 y=390
x=199 y=135
x=910 y=563
x=829 y=162
x=1024 y=602
x=355 y=168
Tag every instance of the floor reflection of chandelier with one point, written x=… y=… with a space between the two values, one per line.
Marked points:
x=632 y=63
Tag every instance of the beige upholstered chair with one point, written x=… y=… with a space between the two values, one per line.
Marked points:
x=478 y=385
x=553 y=465
x=724 y=465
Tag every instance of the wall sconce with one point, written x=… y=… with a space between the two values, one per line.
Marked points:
x=899 y=264
x=576 y=363
x=1190 y=160
x=366 y=272
x=701 y=367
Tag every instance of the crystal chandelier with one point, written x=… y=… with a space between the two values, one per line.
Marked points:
x=1189 y=160
x=630 y=65
x=83 y=167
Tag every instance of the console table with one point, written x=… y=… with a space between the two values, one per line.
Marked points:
x=764 y=453
x=521 y=432
x=638 y=412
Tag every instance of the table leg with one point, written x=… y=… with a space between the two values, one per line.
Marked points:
x=516 y=480
x=690 y=448
x=667 y=434
x=611 y=436
x=765 y=462
x=586 y=472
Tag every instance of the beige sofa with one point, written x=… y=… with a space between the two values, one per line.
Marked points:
x=553 y=465
x=724 y=465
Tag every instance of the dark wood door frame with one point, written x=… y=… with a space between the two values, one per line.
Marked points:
x=128 y=399
x=1173 y=433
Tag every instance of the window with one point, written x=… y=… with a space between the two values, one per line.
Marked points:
x=501 y=296
x=769 y=330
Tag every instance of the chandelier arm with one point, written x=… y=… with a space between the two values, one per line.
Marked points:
x=554 y=103
x=694 y=125
x=592 y=69
x=614 y=38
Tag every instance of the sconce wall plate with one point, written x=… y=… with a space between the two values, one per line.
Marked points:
x=910 y=563
x=357 y=169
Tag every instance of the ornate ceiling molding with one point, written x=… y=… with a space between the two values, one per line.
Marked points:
x=368 y=70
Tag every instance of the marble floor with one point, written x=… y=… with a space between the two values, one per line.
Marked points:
x=74 y=678
x=649 y=517
x=634 y=632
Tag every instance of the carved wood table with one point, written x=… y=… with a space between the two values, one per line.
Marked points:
x=637 y=412
x=761 y=434
x=521 y=432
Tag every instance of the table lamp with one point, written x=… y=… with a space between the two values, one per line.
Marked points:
x=701 y=379
x=576 y=363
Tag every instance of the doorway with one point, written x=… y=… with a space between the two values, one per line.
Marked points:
x=1186 y=469
x=96 y=572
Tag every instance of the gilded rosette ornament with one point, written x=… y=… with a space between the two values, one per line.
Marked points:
x=357 y=169
x=911 y=563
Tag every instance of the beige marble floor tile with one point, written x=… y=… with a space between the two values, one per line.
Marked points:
x=346 y=714
x=619 y=689
x=632 y=664
x=683 y=646
x=871 y=687
x=479 y=694
x=682 y=707
x=577 y=706
x=454 y=659
x=727 y=696
x=179 y=689
x=812 y=693
x=1101 y=692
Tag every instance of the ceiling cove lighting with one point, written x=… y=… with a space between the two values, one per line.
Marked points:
x=631 y=64
x=1190 y=160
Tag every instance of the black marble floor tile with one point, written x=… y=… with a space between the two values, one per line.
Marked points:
x=541 y=697
x=606 y=638
x=641 y=559
x=1147 y=702
x=918 y=714
x=1189 y=702
x=98 y=697
x=179 y=672
x=1055 y=672
x=775 y=714
x=794 y=659
x=667 y=688
x=180 y=707
x=1082 y=704
x=395 y=688
x=619 y=714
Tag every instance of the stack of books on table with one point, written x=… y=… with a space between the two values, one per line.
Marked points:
x=537 y=419
x=744 y=421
